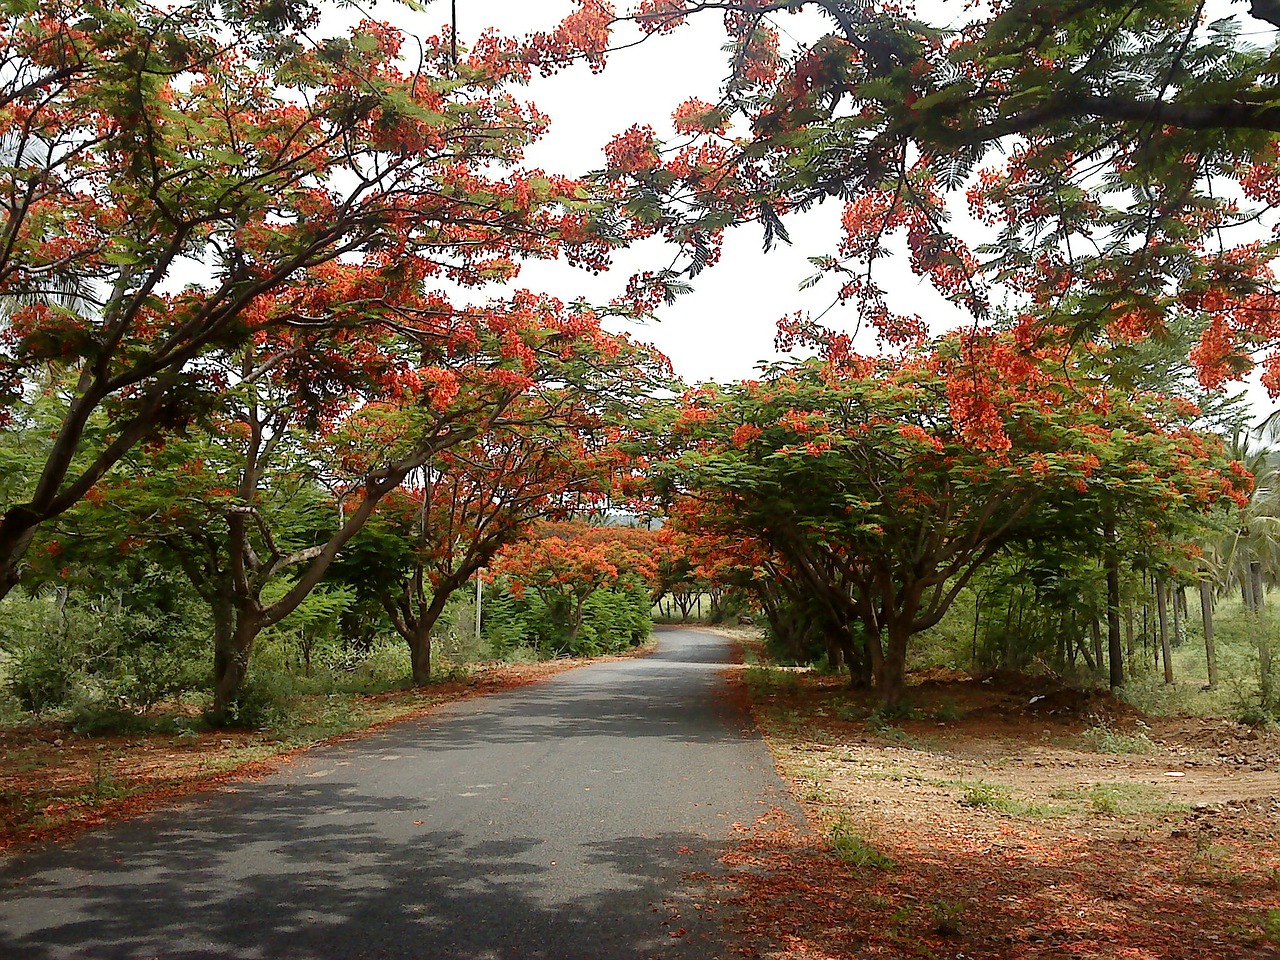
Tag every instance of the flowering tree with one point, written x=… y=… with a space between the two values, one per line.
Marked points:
x=549 y=459
x=884 y=507
x=317 y=431
x=166 y=172
x=1096 y=173
x=566 y=563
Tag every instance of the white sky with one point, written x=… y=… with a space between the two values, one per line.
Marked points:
x=726 y=326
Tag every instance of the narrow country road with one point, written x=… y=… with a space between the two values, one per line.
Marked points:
x=557 y=821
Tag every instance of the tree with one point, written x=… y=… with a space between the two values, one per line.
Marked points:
x=1090 y=172
x=884 y=500
x=177 y=168
x=445 y=525
x=565 y=564
x=257 y=511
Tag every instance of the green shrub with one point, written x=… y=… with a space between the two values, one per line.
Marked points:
x=853 y=848
x=1107 y=739
x=612 y=620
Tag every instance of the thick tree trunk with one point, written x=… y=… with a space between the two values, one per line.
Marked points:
x=420 y=656
x=231 y=659
x=1163 y=614
x=1206 y=616
x=891 y=671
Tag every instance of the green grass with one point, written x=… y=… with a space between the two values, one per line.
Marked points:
x=1000 y=798
x=854 y=849
x=1120 y=798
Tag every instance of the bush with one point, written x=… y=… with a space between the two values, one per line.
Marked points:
x=612 y=620
x=125 y=649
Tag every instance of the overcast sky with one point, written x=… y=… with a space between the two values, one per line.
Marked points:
x=726 y=327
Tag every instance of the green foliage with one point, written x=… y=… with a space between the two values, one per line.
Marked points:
x=126 y=650
x=613 y=619
x=1106 y=738
x=851 y=847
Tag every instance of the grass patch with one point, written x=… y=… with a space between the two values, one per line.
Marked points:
x=1105 y=738
x=854 y=849
x=1120 y=798
x=997 y=797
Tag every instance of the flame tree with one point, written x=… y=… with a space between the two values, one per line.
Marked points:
x=883 y=507
x=166 y=171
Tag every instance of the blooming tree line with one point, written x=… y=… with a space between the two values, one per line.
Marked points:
x=249 y=327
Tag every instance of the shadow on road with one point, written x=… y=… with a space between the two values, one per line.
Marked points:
x=276 y=881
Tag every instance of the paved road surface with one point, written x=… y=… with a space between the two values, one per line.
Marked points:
x=553 y=822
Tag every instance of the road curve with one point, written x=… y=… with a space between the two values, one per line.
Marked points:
x=557 y=821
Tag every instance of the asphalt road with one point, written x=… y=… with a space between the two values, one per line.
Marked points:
x=557 y=821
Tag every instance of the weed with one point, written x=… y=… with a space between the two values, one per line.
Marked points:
x=851 y=847
x=1107 y=739
x=994 y=796
x=1120 y=798
x=103 y=785
x=1271 y=926
x=946 y=918
x=765 y=679
x=947 y=712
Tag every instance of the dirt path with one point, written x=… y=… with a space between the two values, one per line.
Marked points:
x=1003 y=821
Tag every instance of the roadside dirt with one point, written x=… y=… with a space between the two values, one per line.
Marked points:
x=1011 y=819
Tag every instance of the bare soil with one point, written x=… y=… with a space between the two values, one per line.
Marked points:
x=1011 y=818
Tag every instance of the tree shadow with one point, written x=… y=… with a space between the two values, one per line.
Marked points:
x=343 y=855
x=280 y=872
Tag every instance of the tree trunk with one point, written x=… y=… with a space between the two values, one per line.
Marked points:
x=891 y=672
x=1176 y=596
x=1163 y=614
x=1246 y=589
x=420 y=655
x=231 y=659
x=1129 y=643
x=420 y=642
x=15 y=540
x=1206 y=615
x=1115 y=655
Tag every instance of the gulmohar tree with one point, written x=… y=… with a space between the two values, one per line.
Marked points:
x=885 y=503
x=565 y=564
x=1092 y=173
x=548 y=460
x=317 y=432
x=166 y=171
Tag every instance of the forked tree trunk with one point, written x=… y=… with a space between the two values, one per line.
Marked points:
x=1206 y=616
x=231 y=659
x=1162 y=613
